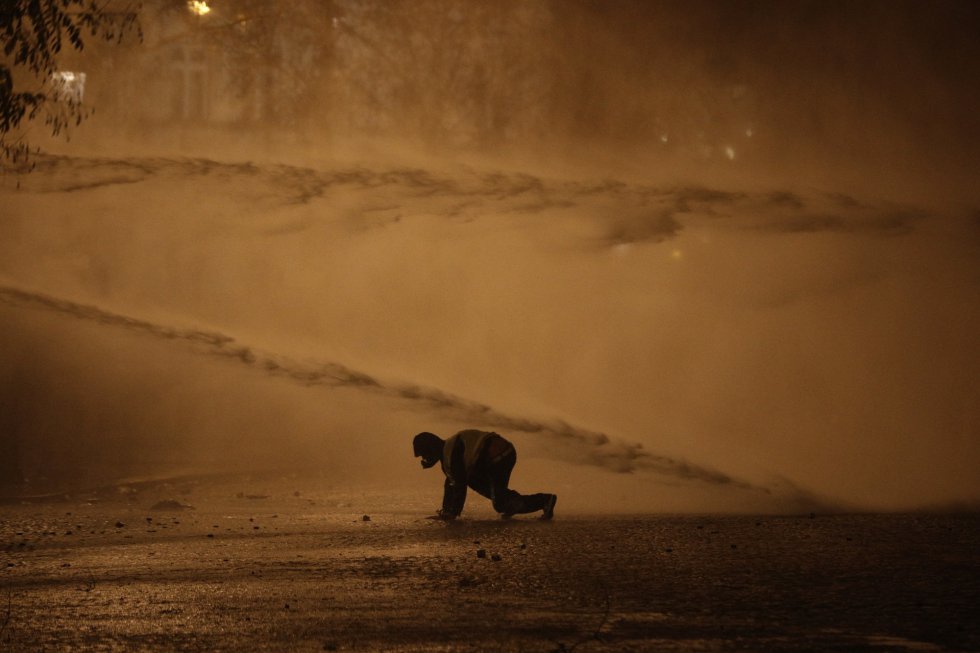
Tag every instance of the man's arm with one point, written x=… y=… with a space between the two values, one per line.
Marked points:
x=454 y=491
x=453 y=498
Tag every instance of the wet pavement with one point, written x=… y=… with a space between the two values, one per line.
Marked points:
x=321 y=569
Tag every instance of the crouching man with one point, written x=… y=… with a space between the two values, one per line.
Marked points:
x=482 y=461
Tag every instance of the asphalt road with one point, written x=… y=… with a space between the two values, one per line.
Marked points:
x=261 y=566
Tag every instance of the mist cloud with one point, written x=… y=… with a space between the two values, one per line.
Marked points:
x=741 y=234
x=632 y=213
x=658 y=321
x=587 y=447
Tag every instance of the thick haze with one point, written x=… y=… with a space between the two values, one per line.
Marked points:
x=720 y=258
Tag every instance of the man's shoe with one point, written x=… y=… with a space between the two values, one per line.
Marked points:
x=549 y=508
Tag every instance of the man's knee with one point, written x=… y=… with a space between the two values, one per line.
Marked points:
x=507 y=502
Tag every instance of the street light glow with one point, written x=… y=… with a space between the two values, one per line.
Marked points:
x=199 y=7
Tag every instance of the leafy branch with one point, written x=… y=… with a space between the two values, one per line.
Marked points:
x=33 y=34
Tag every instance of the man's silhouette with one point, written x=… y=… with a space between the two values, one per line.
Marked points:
x=483 y=461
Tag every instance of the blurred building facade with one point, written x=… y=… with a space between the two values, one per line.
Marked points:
x=439 y=69
x=448 y=72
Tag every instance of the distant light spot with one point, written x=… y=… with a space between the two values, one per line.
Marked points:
x=622 y=249
x=664 y=138
x=68 y=86
x=730 y=152
x=199 y=7
x=749 y=132
x=676 y=254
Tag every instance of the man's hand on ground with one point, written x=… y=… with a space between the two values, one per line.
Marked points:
x=442 y=516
